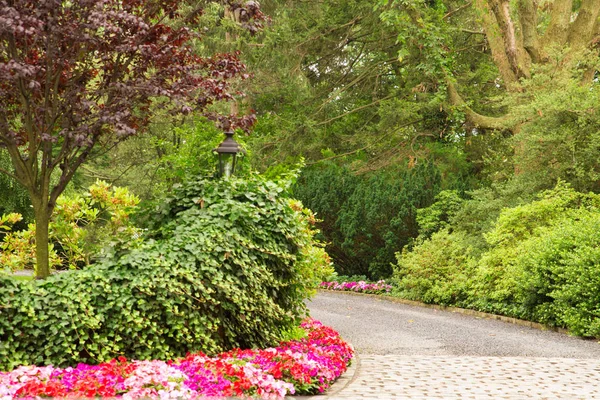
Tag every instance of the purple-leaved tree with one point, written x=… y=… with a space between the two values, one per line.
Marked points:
x=79 y=75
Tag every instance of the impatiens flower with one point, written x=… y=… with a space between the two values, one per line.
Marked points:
x=379 y=287
x=302 y=366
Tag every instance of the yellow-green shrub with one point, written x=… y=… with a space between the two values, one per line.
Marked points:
x=80 y=227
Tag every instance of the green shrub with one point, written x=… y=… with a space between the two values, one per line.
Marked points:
x=367 y=218
x=499 y=272
x=436 y=270
x=80 y=227
x=541 y=261
x=222 y=267
x=438 y=215
x=561 y=284
x=479 y=212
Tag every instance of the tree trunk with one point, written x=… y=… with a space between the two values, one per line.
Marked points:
x=494 y=38
x=42 y=254
x=528 y=11
x=501 y=10
x=581 y=31
x=558 y=28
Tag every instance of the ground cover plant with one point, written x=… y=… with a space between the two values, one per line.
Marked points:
x=379 y=287
x=224 y=265
x=304 y=366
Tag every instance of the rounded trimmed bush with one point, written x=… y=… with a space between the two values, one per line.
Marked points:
x=222 y=267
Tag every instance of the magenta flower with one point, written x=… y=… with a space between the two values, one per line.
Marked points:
x=303 y=366
x=380 y=287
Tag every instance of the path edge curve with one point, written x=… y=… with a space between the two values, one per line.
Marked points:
x=458 y=310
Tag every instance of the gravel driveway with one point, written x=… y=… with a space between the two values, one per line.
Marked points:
x=411 y=352
x=378 y=326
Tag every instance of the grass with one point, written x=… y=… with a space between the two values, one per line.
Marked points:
x=22 y=278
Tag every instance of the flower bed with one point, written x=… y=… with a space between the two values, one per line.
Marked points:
x=302 y=366
x=378 y=287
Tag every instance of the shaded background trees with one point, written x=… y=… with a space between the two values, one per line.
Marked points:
x=495 y=95
x=492 y=99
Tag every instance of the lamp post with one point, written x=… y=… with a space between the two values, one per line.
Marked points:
x=228 y=152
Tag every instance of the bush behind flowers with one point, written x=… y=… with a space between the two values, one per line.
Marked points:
x=223 y=266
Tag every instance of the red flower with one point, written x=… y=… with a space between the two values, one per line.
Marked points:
x=43 y=389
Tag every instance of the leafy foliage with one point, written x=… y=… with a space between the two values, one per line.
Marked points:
x=560 y=283
x=436 y=270
x=366 y=219
x=438 y=215
x=499 y=274
x=224 y=267
x=81 y=227
x=540 y=263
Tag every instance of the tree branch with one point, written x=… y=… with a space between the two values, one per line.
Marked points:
x=67 y=174
x=354 y=110
x=10 y=174
x=472 y=32
x=22 y=173
x=582 y=29
x=29 y=165
x=478 y=120
x=452 y=12
x=364 y=147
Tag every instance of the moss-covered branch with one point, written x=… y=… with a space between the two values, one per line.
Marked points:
x=478 y=120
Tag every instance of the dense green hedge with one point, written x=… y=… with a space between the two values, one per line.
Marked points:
x=222 y=268
x=541 y=262
x=367 y=218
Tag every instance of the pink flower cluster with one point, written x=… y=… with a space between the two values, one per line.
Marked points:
x=304 y=366
x=378 y=287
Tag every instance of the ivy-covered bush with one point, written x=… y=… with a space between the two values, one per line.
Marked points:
x=222 y=267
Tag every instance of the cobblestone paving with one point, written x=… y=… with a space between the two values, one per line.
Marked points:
x=443 y=377
x=407 y=352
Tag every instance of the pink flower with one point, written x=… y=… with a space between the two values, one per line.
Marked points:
x=313 y=363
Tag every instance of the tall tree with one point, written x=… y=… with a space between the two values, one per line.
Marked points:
x=521 y=45
x=79 y=76
x=538 y=90
x=489 y=77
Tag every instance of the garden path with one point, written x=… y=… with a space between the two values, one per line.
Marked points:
x=411 y=352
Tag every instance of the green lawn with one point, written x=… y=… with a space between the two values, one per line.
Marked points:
x=22 y=277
